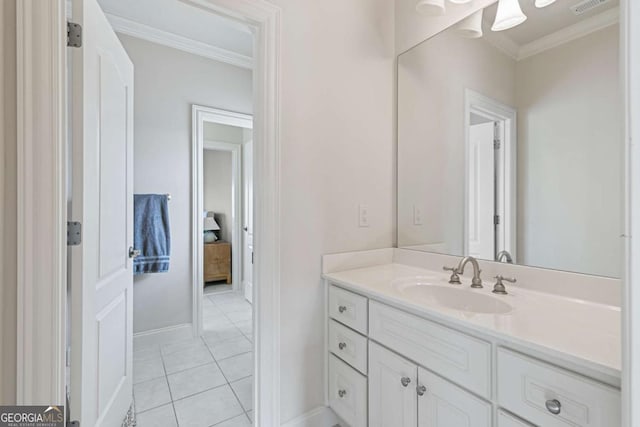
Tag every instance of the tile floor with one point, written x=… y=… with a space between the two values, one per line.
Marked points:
x=200 y=382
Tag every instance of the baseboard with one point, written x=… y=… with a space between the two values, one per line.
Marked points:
x=321 y=416
x=162 y=335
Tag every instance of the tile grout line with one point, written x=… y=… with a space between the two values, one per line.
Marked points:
x=227 y=380
x=166 y=376
x=215 y=360
x=243 y=334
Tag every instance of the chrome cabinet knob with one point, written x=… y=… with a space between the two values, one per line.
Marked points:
x=553 y=406
x=342 y=346
x=342 y=393
x=342 y=309
x=421 y=390
x=405 y=381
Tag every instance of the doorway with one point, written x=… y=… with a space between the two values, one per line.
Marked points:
x=490 y=183
x=221 y=136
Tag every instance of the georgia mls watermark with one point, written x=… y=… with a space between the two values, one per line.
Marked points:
x=32 y=416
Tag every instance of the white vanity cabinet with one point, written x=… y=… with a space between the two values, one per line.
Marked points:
x=404 y=394
x=442 y=404
x=391 y=368
x=392 y=389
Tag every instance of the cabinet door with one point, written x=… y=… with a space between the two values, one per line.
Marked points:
x=392 y=389
x=442 y=404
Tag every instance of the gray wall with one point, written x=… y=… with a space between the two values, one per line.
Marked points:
x=8 y=203
x=167 y=83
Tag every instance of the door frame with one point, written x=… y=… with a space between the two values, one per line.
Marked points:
x=496 y=111
x=200 y=115
x=42 y=200
x=630 y=67
x=264 y=19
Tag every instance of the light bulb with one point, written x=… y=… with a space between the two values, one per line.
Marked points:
x=471 y=26
x=508 y=16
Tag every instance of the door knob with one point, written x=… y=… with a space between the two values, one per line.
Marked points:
x=133 y=253
x=405 y=381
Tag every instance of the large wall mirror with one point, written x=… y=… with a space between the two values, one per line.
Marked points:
x=510 y=143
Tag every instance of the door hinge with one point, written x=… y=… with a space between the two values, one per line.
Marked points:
x=74 y=34
x=73 y=423
x=74 y=233
x=496 y=219
x=496 y=144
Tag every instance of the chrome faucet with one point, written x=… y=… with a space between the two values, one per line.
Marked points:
x=476 y=282
x=506 y=255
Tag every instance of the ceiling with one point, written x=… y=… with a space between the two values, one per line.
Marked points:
x=544 y=21
x=177 y=17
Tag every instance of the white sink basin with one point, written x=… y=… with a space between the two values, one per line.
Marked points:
x=431 y=290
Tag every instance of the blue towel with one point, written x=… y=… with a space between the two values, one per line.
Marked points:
x=151 y=233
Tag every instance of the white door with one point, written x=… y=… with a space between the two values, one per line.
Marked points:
x=481 y=191
x=392 y=389
x=442 y=404
x=102 y=199
x=247 y=229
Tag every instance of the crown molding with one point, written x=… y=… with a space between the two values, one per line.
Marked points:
x=145 y=32
x=503 y=43
x=510 y=48
x=573 y=32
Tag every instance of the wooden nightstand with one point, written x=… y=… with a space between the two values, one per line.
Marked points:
x=217 y=261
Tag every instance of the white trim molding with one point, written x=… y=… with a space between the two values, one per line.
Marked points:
x=42 y=210
x=265 y=20
x=550 y=41
x=199 y=116
x=162 y=336
x=570 y=33
x=630 y=69
x=506 y=196
x=166 y=38
x=322 y=416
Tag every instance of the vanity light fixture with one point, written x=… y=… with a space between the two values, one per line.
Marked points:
x=508 y=16
x=431 y=7
x=543 y=3
x=471 y=26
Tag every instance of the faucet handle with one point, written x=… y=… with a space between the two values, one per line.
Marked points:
x=499 y=288
x=455 y=278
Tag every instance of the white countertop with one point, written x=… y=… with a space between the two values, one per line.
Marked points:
x=576 y=331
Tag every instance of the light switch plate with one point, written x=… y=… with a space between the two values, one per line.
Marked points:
x=363 y=215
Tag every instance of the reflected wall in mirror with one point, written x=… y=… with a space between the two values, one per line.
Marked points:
x=510 y=144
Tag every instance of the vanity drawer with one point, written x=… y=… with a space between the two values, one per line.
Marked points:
x=348 y=345
x=348 y=308
x=460 y=358
x=528 y=388
x=507 y=420
x=347 y=393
